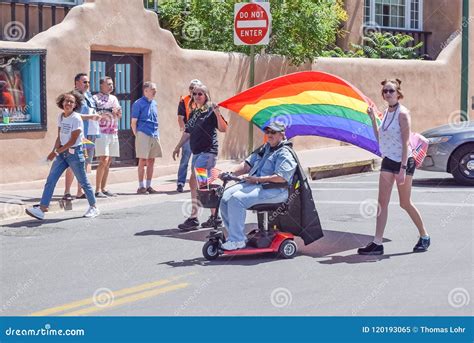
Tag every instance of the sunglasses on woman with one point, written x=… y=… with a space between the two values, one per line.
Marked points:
x=391 y=91
x=198 y=94
x=270 y=132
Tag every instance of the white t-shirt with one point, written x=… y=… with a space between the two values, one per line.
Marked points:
x=93 y=125
x=390 y=135
x=68 y=125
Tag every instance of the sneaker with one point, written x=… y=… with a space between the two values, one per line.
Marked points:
x=109 y=194
x=189 y=224
x=211 y=221
x=422 y=244
x=35 y=212
x=371 y=249
x=229 y=245
x=67 y=197
x=100 y=195
x=180 y=188
x=142 y=190
x=150 y=190
x=92 y=212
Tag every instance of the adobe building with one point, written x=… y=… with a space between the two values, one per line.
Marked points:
x=128 y=45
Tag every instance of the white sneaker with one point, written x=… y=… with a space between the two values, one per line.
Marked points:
x=92 y=212
x=35 y=212
x=229 y=245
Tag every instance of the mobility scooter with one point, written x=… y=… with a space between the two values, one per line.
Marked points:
x=264 y=239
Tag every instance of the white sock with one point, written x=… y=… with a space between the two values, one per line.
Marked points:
x=425 y=237
x=148 y=183
x=141 y=184
x=378 y=241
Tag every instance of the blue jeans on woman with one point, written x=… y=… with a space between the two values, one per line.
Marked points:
x=77 y=164
x=238 y=198
x=183 y=163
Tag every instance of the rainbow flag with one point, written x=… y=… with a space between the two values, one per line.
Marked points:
x=201 y=175
x=310 y=103
x=87 y=144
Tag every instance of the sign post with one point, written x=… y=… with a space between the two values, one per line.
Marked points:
x=252 y=22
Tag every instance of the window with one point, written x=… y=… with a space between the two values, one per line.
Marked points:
x=22 y=90
x=397 y=14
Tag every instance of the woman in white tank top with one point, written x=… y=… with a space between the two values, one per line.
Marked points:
x=397 y=165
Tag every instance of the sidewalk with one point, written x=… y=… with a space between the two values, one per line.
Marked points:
x=318 y=163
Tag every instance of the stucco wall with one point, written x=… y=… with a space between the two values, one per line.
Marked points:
x=431 y=87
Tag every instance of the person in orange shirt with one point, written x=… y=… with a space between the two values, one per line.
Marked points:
x=184 y=109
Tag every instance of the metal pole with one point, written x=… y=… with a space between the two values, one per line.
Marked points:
x=251 y=84
x=465 y=61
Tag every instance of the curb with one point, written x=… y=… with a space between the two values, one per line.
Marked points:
x=326 y=171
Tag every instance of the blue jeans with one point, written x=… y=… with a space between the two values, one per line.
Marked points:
x=238 y=198
x=77 y=164
x=183 y=163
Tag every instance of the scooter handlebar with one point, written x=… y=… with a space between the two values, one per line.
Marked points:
x=229 y=177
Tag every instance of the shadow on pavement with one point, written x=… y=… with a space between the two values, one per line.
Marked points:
x=356 y=258
x=438 y=182
x=37 y=223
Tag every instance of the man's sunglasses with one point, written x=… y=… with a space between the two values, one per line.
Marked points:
x=391 y=91
x=270 y=132
x=198 y=94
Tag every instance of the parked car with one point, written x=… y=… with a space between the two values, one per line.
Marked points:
x=451 y=149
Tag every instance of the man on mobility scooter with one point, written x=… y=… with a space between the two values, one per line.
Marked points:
x=275 y=183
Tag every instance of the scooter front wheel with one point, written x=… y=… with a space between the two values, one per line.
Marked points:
x=288 y=249
x=210 y=250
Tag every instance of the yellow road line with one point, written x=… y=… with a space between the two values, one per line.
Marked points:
x=128 y=299
x=119 y=293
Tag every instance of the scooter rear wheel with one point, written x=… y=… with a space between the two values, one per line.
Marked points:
x=287 y=249
x=210 y=250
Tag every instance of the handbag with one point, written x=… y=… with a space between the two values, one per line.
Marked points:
x=419 y=146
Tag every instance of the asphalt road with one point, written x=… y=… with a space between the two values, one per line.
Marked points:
x=132 y=261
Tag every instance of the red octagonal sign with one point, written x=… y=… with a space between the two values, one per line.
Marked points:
x=251 y=24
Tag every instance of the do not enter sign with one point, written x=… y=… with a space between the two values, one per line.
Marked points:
x=252 y=23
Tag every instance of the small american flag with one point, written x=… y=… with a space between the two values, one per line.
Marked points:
x=214 y=175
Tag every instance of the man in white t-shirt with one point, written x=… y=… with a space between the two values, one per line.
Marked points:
x=91 y=130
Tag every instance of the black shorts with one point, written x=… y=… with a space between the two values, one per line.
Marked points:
x=393 y=167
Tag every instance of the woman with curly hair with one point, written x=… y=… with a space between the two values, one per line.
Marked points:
x=67 y=152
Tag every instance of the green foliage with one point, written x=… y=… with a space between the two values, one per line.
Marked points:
x=387 y=45
x=301 y=29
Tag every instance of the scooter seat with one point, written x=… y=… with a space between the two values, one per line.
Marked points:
x=269 y=207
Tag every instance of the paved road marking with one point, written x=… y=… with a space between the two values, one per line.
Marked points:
x=128 y=299
x=119 y=293
x=420 y=190
x=441 y=204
